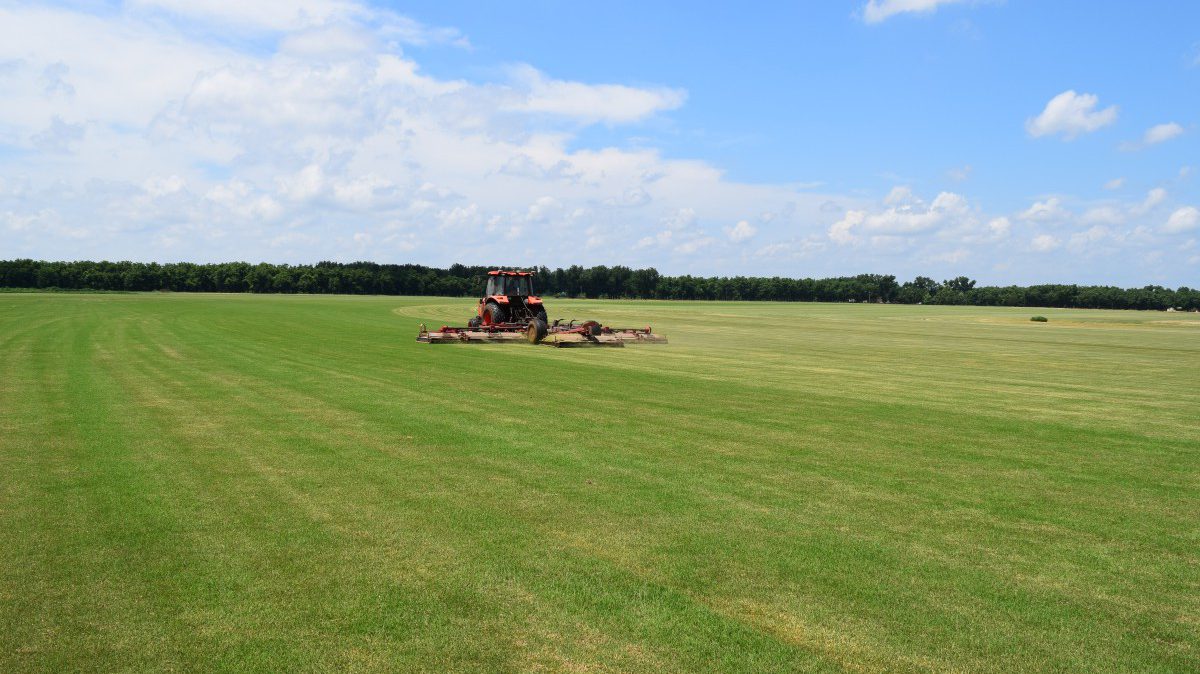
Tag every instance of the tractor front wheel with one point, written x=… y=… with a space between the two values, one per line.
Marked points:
x=536 y=331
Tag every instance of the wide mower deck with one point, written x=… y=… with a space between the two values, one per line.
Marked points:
x=570 y=334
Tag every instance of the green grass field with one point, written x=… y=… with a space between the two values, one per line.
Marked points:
x=270 y=483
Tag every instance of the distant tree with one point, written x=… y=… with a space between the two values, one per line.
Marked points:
x=601 y=281
x=960 y=284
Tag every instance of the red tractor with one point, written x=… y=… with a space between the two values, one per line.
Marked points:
x=510 y=312
x=509 y=300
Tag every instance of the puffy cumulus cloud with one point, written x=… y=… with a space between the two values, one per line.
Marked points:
x=1183 y=220
x=998 y=228
x=876 y=11
x=1153 y=198
x=742 y=231
x=295 y=16
x=1086 y=241
x=1113 y=212
x=1159 y=133
x=904 y=214
x=183 y=144
x=1048 y=210
x=948 y=231
x=1070 y=115
x=276 y=15
x=680 y=233
x=1044 y=243
x=610 y=103
x=158 y=186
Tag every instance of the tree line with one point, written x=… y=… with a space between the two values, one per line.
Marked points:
x=575 y=281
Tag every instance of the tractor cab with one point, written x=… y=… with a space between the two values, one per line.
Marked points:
x=509 y=285
x=508 y=299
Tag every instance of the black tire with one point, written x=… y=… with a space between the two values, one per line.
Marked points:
x=536 y=331
x=495 y=314
x=474 y=322
x=540 y=315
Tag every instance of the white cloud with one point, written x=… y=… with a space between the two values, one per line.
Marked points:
x=680 y=232
x=296 y=16
x=334 y=129
x=905 y=214
x=695 y=245
x=1070 y=115
x=960 y=174
x=242 y=202
x=307 y=184
x=842 y=231
x=1081 y=241
x=610 y=103
x=952 y=256
x=742 y=231
x=999 y=227
x=1114 y=184
x=162 y=186
x=1043 y=243
x=680 y=219
x=1111 y=213
x=1183 y=219
x=880 y=10
x=1049 y=210
x=899 y=195
x=1161 y=133
x=276 y=15
x=1153 y=198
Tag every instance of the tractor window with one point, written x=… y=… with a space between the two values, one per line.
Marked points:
x=509 y=285
x=518 y=285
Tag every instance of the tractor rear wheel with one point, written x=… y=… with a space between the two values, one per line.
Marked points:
x=494 y=314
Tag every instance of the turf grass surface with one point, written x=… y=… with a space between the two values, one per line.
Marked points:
x=292 y=482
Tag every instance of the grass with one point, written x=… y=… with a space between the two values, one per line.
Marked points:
x=270 y=483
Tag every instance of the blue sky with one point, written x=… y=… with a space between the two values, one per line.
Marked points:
x=1010 y=141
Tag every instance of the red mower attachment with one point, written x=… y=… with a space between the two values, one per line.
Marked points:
x=571 y=333
x=591 y=333
x=504 y=332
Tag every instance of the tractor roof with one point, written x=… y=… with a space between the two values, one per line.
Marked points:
x=501 y=272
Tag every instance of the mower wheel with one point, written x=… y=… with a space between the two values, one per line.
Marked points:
x=494 y=314
x=536 y=331
x=474 y=322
